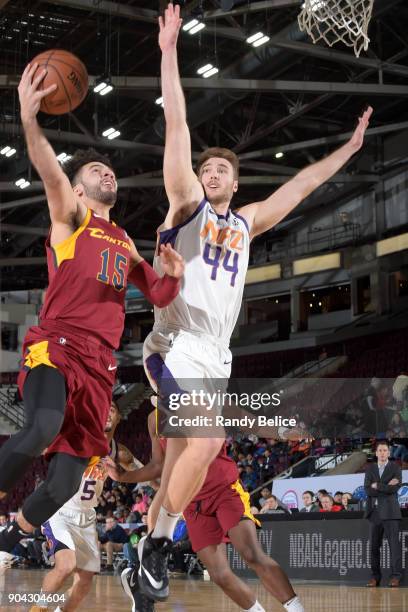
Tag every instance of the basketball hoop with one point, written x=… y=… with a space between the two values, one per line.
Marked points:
x=337 y=20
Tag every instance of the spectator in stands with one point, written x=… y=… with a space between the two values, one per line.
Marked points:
x=139 y=505
x=241 y=462
x=181 y=546
x=309 y=504
x=102 y=507
x=3 y=522
x=319 y=495
x=328 y=504
x=376 y=418
x=112 y=541
x=130 y=549
x=338 y=498
x=345 y=498
x=259 y=468
x=272 y=506
x=322 y=354
x=249 y=478
x=268 y=467
x=265 y=494
x=119 y=516
x=326 y=444
x=399 y=451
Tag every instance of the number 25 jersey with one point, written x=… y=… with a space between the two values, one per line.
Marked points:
x=216 y=251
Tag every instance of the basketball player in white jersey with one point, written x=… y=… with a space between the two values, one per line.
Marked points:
x=71 y=532
x=190 y=337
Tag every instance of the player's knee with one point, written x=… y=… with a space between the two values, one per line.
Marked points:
x=84 y=579
x=64 y=565
x=253 y=557
x=61 y=490
x=221 y=576
x=42 y=431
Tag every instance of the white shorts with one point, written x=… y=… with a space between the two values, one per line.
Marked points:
x=68 y=530
x=184 y=355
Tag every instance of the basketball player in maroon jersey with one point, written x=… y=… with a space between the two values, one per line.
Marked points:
x=68 y=363
x=219 y=513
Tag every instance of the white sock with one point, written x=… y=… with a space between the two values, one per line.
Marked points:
x=294 y=605
x=256 y=608
x=165 y=524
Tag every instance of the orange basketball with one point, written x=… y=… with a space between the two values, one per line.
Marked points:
x=69 y=73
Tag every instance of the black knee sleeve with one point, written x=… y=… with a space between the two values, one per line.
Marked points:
x=44 y=403
x=62 y=482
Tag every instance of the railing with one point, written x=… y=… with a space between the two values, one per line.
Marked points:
x=303 y=468
x=11 y=410
x=320 y=239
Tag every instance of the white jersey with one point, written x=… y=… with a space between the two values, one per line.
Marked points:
x=91 y=485
x=216 y=251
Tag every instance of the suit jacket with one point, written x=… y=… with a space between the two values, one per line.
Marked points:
x=386 y=494
x=315 y=508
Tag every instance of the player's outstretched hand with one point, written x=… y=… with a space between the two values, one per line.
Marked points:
x=29 y=93
x=357 y=139
x=169 y=25
x=113 y=469
x=171 y=262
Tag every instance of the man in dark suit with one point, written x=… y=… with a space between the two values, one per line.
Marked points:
x=381 y=483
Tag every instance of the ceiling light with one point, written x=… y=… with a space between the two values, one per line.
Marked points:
x=254 y=37
x=106 y=90
x=190 y=24
x=279 y=155
x=108 y=131
x=8 y=151
x=103 y=87
x=210 y=72
x=63 y=157
x=99 y=87
x=207 y=70
x=197 y=28
x=204 y=68
x=159 y=101
x=22 y=183
x=261 y=41
x=115 y=134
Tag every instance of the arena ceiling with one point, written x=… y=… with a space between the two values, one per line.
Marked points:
x=287 y=96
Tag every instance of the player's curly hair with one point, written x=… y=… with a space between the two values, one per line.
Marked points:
x=80 y=158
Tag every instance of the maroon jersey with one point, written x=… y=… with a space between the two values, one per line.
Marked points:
x=87 y=280
x=222 y=472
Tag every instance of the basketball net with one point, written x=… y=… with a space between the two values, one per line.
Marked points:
x=337 y=20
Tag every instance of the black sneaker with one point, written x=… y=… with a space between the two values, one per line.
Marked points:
x=154 y=555
x=140 y=603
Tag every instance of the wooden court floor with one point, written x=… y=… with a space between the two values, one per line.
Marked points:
x=200 y=595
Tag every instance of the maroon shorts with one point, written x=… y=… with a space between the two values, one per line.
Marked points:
x=89 y=370
x=209 y=520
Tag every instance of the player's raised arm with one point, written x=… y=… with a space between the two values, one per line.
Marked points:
x=262 y=216
x=61 y=200
x=183 y=189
